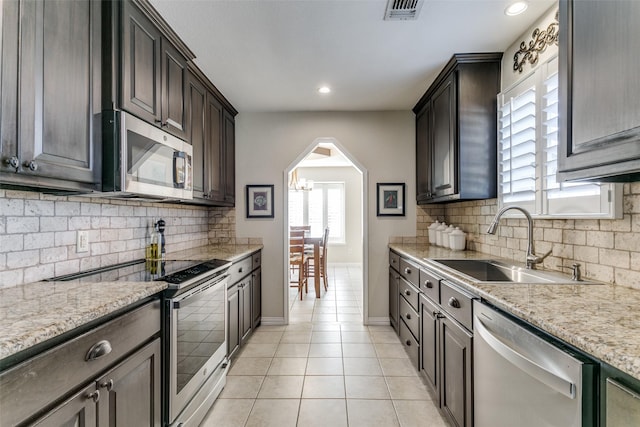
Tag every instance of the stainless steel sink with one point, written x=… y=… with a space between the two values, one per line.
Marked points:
x=490 y=271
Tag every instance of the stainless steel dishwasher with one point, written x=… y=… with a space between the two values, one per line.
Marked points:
x=523 y=378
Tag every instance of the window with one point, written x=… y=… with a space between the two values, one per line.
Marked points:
x=324 y=206
x=528 y=153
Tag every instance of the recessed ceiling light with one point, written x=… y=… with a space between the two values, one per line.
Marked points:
x=516 y=8
x=324 y=89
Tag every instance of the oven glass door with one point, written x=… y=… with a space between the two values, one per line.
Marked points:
x=198 y=339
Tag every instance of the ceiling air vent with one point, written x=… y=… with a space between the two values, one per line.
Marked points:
x=403 y=10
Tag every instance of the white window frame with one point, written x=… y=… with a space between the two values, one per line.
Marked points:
x=610 y=198
x=335 y=236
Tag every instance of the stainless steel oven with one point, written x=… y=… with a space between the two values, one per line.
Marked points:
x=140 y=159
x=195 y=348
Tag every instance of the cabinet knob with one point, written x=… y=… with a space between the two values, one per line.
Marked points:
x=407 y=292
x=107 y=384
x=95 y=396
x=453 y=302
x=408 y=343
x=408 y=316
x=407 y=270
x=240 y=270
x=99 y=349
x=14 y=162
x=161 y=123
x=31 y=165
x=428 y=284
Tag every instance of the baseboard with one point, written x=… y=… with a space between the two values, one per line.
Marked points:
x=378 y=321
x=272 y=321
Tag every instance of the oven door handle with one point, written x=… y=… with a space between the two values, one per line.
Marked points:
x=192 y=297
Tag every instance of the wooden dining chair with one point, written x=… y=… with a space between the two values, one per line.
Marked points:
x=322 y=268
x=298 y=261
x=305 y=228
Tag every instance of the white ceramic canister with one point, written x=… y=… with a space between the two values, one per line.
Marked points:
x=445 y=236
x=457 y=239
x=439 y=230
x=432 y=232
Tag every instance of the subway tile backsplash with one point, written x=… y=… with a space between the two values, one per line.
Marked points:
x=609 y=250
x=38 y=232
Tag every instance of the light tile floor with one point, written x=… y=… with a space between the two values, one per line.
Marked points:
x=325 y=369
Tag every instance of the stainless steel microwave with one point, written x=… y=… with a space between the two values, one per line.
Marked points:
x=141 y=160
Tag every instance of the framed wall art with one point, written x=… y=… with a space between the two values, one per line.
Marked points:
x=390 y=199
x=259 y=201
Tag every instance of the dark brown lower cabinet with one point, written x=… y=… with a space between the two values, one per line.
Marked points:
x=394 y=279
x=456 y=390
x=256 y=297
x=233 y=314
x=429 y=339
x=128 y=395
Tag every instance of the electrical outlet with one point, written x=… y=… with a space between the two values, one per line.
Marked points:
x=82 y=241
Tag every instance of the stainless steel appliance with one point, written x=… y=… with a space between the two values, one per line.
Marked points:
x=195 y=334
x=194 y=330
x=139 y=159
x=521 y=377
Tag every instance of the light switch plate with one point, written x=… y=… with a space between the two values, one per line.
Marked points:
x=82 y=241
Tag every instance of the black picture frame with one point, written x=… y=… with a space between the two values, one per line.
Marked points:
x=259 y=201
x=390 y=199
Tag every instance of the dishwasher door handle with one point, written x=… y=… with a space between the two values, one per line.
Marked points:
x=561 y=385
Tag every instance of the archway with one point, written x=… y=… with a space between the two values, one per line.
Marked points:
x=319 y=146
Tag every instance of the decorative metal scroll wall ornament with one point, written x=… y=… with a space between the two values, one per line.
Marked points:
x=541 y=39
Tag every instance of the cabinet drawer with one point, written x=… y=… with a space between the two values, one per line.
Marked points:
x=457 y=303
x=394 y=260
x=256 y=260
x=240 y=269
x=409 y=292
x=429 y=285
x=410 y=317
x=410 y=344
x=410 y=271
x=34 y=384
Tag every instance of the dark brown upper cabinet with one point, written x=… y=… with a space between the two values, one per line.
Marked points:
x=456 y=131
x=599 y=103
x=210 y=121
x=51 y=94
x=154 y=71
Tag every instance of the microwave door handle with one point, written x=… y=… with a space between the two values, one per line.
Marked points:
x=179 y=169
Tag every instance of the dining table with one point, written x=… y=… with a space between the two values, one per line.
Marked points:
x=315 y=241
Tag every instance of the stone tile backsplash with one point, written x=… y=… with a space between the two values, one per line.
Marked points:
x=608 y=250
x=38 y=232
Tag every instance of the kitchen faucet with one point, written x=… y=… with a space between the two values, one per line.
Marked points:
x=532 y=259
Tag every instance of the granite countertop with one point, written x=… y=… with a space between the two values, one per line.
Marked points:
x=33 y=313
x=602 y=319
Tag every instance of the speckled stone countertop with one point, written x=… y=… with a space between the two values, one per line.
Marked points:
x=33 y=313
x=602 y=320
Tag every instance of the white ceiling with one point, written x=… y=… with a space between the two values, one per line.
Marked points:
x=272 y=55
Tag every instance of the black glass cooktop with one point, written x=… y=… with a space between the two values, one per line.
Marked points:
x=174 y=272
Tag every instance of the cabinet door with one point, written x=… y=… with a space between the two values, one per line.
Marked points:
x=233 y=313
x=78 y=411
x=444 y=135
x=130 y=393
x=230 y=159
x=9 y=36
x=196 y=129
x=394 y=278
x=600 y=109
x=455 y=355
x=140 y=64
x=245 y=309
x=59 y=90
x=423 y=154
x=215 y=143
x=256 y=297
x=429 y=361
x=174 y=74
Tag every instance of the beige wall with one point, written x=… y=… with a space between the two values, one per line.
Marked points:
x=268 y=143
x=351 y=250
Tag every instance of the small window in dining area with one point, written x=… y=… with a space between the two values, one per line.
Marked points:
x=321 y=207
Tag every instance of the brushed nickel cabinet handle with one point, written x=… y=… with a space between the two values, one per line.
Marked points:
x=107 y=384
x=95 y=396
x=453 y=302
x=99 y=349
